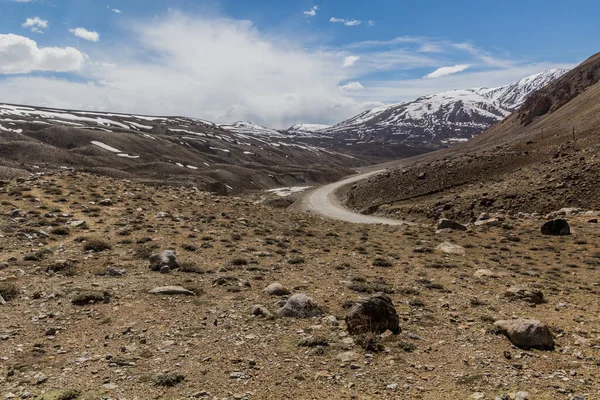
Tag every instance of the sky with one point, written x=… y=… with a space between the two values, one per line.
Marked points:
x=277 y=62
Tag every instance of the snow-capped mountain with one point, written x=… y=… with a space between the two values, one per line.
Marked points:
x=252 y=129
x=306 y=129
x=441 y=118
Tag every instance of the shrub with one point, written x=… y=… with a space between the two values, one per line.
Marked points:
x=313 y=342
x=381 y=262
x=168 y=380
x=8 y=290
x=189 y=247
x=96 y=244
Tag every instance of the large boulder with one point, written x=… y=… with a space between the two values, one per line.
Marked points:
x=528 y=295
x=556 y=227
x=165 y=258
x=527 y=333
x=301 y=306
x=375 y=314
x=444 y=223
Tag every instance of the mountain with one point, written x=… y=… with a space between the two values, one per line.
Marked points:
x=442 y=118
x=250 y=128
x=178 y=150
x=306 y=129
x=545 y=156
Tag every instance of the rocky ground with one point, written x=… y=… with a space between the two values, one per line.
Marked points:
x=78 y=321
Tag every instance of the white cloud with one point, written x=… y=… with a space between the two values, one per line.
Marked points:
x=36 y=24
x=352 y=86
x=312 y=12
x=21 y=55
x=22 y=1
x=350 y=60
x=115 y=10
x=371 y=23
x=443 y=71
x=347 y=22
x=196 y=70
x=85 y=34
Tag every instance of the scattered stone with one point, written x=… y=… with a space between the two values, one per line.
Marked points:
x=106 y=202
x=488 y=222
x=527 y=333
x=533 y=296
x=16 y=214
x=444 y=223
x=78 y=224
x=450 y=248
x=171 y=290
x=556 y=227
x=116 y=272
x=375 y=314
x=2 y=301
x=521 y=396
x=276 y=289
x=165 y=258
x=477 y=396
x=260 y=311
x=51 y=332
x=484 y=273
x=392 y=386
x=301 y=306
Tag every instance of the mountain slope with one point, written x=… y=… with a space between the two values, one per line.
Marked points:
x=161 y=149
x=528 y=163
x=438 y=119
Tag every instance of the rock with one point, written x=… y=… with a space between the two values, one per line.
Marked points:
x=260 y=311
x=116 y=272
x=349 y=356
x=527 y=333
x=16 y=214
x=449 y=224
x=392 y=386
x=477 y=396
x=488 y=222
x=78 y=224
x=577 y=397
x=106 y=202
x=450 y=248
x=161 y=214
x=556 y=227
x=50 y=332
x=483 y=216
x=521 y=396
x=533 y=296
x=276 y=289
x=165 y=258
x=375 y=314
x=484 y=273
x=2 y=301
x=171 y=290
x=301 y=306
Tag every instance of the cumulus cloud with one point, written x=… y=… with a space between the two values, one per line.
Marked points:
x=312 y=12
x=218 y=69
x=351 y=86
x=443 y=71
x=36 y=24
x=347 y=22
x=350 y=61
x=83 y=33
x=21 y=55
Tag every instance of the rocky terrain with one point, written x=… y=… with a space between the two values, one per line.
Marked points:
x=254 y=302
x=538 y=160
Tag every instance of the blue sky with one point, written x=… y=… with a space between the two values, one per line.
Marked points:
x=277 y=62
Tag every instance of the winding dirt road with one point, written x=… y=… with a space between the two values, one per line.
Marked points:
x=324 y=202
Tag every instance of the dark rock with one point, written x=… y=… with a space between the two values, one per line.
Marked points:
x=556 y=227
x=375 y=314
x=164 y=258
x=528 y=295
x=449 y=224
